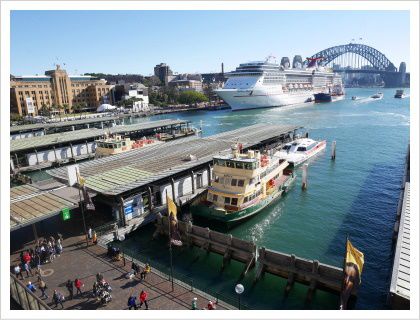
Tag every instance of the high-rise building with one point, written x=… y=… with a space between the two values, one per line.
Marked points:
x=28 y=94
x=163 y=71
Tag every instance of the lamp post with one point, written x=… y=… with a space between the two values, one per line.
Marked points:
x=239 y=289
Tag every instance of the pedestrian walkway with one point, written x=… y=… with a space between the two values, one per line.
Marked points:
x=77 y=261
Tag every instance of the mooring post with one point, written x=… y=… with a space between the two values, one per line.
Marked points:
x=260 y=269
x=334 y=143
x=188 y=233
x=291 y=277
x=305 y=176
x=313 y=282
x=192 y=182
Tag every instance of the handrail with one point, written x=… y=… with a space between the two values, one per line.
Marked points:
x=23 y=296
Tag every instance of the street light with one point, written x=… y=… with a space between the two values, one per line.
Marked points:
x=239 y=289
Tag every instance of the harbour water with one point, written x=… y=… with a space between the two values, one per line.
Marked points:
x=356 y=194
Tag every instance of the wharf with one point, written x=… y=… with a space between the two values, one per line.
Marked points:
x=84 y=263
x=123 y=173
x=60 y=126
x=399 y=292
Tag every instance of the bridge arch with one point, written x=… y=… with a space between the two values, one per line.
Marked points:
x=378 y=60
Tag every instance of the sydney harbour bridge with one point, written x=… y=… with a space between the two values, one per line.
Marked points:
x=353 y=61
x=357 y=58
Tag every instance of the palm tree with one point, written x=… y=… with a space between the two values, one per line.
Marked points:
x=60 y=107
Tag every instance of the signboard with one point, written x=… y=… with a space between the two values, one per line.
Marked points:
x=65 y=214
x=30 y=105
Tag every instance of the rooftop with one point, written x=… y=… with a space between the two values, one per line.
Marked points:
x=120 y=173
x=69 y=136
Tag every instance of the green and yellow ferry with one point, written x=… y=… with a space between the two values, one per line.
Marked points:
x=242 y=185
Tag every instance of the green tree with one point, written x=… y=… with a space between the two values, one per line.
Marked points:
x=16 y=117
x=192 y=97
x=44 y=111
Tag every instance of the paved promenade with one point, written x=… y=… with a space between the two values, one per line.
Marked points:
x=77 y=261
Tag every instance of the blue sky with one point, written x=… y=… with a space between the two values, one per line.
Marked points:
x=192 y=41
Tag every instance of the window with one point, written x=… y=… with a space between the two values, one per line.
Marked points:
x=301 y=149
x=222 y=180
x=234 y=182
x=227 y=200
x=230 y=164
x=241 y=183
x=234 y=201
x=246 y=200
x=214 y=197
x=216 y=179
x=239 y=165
x=123 y=143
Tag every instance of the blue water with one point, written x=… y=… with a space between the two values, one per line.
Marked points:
x=357 y=194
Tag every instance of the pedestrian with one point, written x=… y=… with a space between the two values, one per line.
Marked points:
x=90 y=233
x=131 y=303
x=31 y=286
x=145 y=271
x=143 y=299
x=58 y=247
x=26 y=257
x=43 y=287
x=28 y=269
x=78 y=284
x=58 y=298
x=18 y=271
x=194 y=304
x=211 y=305
x=69 y=286
x=94 y=238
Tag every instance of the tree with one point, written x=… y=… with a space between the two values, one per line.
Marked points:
x=192 y=97
x=15 y=117
x=44 y=111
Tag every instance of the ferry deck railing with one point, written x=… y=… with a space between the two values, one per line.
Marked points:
x=24 y=297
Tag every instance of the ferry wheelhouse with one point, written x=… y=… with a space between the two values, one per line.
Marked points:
x=243 y=185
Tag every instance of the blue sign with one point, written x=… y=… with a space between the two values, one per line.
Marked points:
x=128 y=209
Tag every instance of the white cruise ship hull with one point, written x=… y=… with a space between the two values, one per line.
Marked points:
x=243 y=100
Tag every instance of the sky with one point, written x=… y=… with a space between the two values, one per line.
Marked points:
x=120 y=42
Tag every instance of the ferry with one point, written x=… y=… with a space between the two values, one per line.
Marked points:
x=378 y=95
x=111 y=145
x=399 y=94
x=300 y=150
x=243 y=185
x=265 y=84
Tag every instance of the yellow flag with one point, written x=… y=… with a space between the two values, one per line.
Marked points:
x=171 y=208
x=80 y=180
x=355 y=256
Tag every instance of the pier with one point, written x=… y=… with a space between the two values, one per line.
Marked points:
x=399 y=291
x=46 y=150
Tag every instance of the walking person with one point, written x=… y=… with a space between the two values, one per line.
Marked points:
x=43 y=287
x=90 y=233
x=94 y=238
x=143 y=299
x=18 y=271
x=58 y=298
x=131 y=303
x=145 y=271
x=27 y=268
x=69 y=286
x=78 y=284
x=31 y=286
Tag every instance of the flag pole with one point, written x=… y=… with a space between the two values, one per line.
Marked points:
x=170 y=242
x=82 y=207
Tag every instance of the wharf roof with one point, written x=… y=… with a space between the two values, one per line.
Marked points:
x=60 y=124
x=29 y=204
x=85 y=134
x=400 y=281
x=137 y=168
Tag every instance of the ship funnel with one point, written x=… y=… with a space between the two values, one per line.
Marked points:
x=285 y=63
x=297 y=62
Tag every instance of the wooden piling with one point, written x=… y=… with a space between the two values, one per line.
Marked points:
x=291 y=276
x=305 y=176
x=333 y=146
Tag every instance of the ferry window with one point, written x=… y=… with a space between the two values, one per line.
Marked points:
x=247 y=166
x=301 y=149
x=227 y=200
x=239 y=165
x=245 y=199
x=230 y=164
x=118 y=145
x=215 y=198
x=287 y=147
x=240 y=183
x=222 y=180
x=254 y=165
x=216 y=179
x=233 y=182
x=234 y=201
x=123 y=143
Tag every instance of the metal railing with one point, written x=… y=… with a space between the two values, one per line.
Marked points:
x=182 y=279
x=24 y=297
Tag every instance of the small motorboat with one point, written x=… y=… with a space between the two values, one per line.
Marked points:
x=355 y=98
x=399 y=94
x=378 y=95
x=300 y=150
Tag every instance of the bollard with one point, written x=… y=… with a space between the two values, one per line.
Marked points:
x=305 y=176
x=333 y=150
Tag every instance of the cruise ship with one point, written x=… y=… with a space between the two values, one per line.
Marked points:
x=265 y=84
